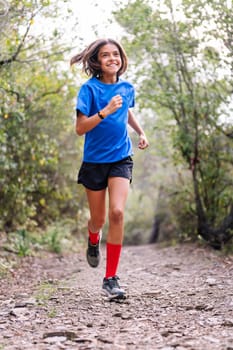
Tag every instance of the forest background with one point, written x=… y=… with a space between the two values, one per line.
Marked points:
x=181 y=63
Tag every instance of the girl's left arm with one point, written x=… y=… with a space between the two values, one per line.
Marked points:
x=132 y=121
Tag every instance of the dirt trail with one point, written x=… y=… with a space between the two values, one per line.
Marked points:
x=179 y=298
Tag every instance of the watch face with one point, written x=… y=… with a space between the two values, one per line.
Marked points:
x=100 y=115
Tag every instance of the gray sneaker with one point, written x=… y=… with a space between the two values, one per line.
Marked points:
x=93 y=253
x=112 y=289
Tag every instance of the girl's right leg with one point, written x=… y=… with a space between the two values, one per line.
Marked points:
x=97 y=207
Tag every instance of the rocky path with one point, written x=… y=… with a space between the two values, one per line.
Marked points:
x=179 y=298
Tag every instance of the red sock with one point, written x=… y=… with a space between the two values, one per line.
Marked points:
x=94 y=237
x=113 y=256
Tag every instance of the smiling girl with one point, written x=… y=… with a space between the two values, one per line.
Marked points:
x=103 y=115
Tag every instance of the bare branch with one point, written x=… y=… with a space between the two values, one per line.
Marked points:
x=20 y=46
x=12 y=92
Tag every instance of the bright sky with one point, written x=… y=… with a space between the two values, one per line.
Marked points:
x=93 y=18
x=88 y=20
x=95 y=15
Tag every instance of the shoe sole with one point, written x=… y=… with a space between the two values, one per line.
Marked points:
x=113 y=296
x=89 y=262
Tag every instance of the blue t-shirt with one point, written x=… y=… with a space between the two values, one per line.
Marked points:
x=109 y=141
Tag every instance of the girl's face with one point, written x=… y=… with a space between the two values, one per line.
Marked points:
x=110 y=59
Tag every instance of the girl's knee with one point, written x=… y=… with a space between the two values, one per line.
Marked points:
x=116 y=215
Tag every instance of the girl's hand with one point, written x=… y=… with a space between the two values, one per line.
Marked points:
x=143 y=142
x=114 y=105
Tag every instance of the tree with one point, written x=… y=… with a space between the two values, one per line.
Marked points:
x=183 y=68
x=36 y=133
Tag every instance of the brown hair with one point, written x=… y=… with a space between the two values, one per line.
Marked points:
x=89 y=57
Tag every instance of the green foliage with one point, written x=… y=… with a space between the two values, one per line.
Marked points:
x=19 y=242
x=55 y=239
x=22 y=245
x=183 y=65
x=228 y=248
x=37 y=137
x=52 y=240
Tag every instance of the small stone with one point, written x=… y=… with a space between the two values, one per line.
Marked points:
x=228 y=323
x=52 y=340
x=105 y=340
x=211 y=281
x=60 y=333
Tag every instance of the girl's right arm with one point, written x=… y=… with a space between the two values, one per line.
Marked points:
x=85 y=124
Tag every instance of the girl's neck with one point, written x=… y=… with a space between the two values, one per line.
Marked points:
x=108 y=79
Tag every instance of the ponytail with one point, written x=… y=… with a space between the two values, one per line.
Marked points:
x=77 y=58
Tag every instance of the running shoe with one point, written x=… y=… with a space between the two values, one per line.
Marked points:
x=93 y=253
x=112 y=289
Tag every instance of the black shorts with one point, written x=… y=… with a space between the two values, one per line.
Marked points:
x=94 y=176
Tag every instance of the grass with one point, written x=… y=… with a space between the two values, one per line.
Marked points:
x=45 y=293
x=52 y=313
x=14 y=246
x=7 y=265
x=56 y=239
x=52 y=240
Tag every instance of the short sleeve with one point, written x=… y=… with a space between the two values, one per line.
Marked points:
x=84 y=100
x=132 y=97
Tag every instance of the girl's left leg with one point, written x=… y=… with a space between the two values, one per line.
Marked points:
x=118 y=188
